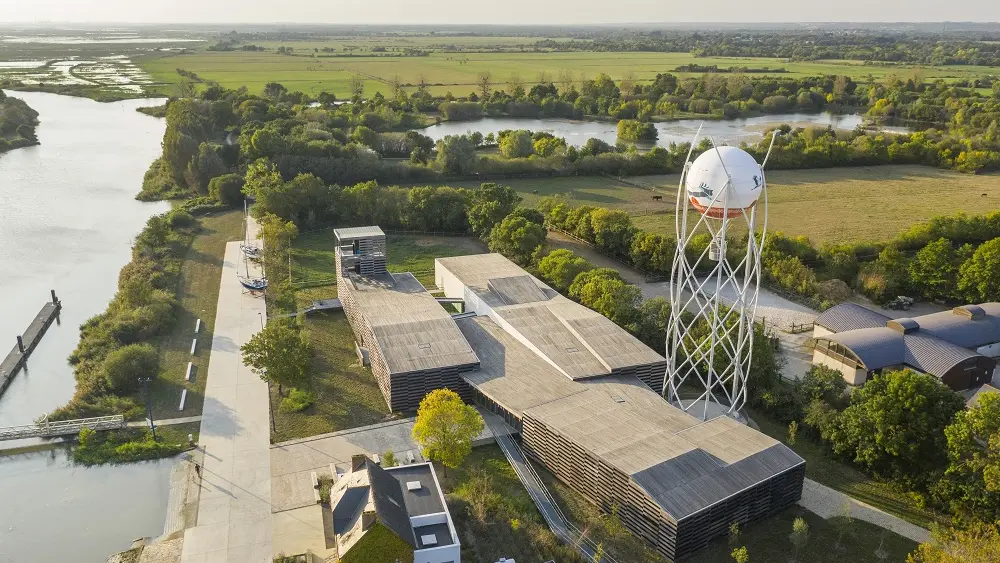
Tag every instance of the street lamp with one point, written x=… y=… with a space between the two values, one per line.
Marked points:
x=149 y=407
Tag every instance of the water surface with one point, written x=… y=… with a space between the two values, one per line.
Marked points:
x=576 y=133
x=68 y=217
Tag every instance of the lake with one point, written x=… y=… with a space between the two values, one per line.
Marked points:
x=576 y=133
x=68 y=217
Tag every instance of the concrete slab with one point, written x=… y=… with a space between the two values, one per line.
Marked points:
x=300 y=530
x=234 y=521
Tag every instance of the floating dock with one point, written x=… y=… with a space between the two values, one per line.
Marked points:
x=26 y=342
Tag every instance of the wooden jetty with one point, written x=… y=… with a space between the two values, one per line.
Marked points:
x=26 y=342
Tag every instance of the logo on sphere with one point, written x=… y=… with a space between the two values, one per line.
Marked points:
x=701 y=191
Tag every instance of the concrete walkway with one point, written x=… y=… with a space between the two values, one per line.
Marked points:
x=234 y=506
x=165 y=422
x=829 y=503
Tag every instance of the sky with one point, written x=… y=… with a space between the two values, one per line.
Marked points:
x=486 y=12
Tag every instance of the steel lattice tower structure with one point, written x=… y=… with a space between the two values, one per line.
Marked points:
x=713 y=295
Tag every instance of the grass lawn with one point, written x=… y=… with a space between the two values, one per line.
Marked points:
x=198 y=295
x=458 y=72
x=313 y=268
x=857 y=203
x=347 y=395
x=825 y=469
x=511 y=525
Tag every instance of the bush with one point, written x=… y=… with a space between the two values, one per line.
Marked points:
x=632 y=130
x=123 y=367
x=120 y=446
x=297 y=401
x=226 y=189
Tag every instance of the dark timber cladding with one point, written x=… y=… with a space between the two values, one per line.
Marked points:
x=412 y=343
x=677 y=481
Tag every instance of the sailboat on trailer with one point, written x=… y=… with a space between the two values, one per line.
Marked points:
x=250 y=252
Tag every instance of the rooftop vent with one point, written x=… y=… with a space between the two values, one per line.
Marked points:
x=974 y=312
x=618 y=399
x=413 y=485
x=572 y=349
x=424 y=346
x=906 y=326
x=429 y=539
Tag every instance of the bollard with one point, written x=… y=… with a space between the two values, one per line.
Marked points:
x=20 y=344
x=191 y=440
x=197 y=326
x=55 y=300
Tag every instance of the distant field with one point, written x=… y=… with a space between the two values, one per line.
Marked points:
x=827 y=205
x=457 y=71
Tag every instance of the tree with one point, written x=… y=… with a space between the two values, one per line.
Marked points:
x=456 y=154
x=517 y=144
x=599 y=553
x=823 y=383
x=979 y=544
x=560 y=267
x=490 y=204
x=886 y=277
x=933 y=270
x=972 y=480
x=485 y=82
x=793 y=432
x=633 y=130
x=517 y=239
x=609 y=295
x=204 y=166
x=800 y=535
x=979 y=277
x=226 y=189
x=895 y=424
x=280 y=354
x=445 y=427
x=613 y=230
x=274 y=90
x=123 y=367
x=740 y=555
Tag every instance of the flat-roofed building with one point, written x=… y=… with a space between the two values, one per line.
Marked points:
x=677 y=481
x=410 y=341
x=578 y=342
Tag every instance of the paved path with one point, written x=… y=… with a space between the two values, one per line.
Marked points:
x=234 y=506
x=829 y=503
x=166 y=421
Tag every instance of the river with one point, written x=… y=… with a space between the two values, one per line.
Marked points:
x=67 y=220
x=728 y=131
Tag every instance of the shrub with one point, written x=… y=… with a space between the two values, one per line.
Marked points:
x=123 y=367
x=297 y=401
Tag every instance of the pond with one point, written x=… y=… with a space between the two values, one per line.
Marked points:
x=68 y=216
x=728 y=131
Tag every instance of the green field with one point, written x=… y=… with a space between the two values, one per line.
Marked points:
x=198 y=296
x=457 y=72
x=827 y=205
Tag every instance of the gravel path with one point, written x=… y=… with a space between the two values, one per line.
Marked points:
x=829 y=503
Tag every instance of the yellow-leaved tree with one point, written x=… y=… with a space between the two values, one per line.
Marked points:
x=445 y=427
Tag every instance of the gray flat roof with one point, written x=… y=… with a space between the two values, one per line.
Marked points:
x=577 y=341
x=426 y=499
x=684 y=464
x=413 y=331
x=357 y=232
x=441 y=533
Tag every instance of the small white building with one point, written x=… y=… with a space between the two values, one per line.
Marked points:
x=371 y=504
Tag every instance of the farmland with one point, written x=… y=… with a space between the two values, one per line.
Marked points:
x=827 y=205
x=458 y=72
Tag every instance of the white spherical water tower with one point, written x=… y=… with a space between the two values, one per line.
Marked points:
x=714 y=286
